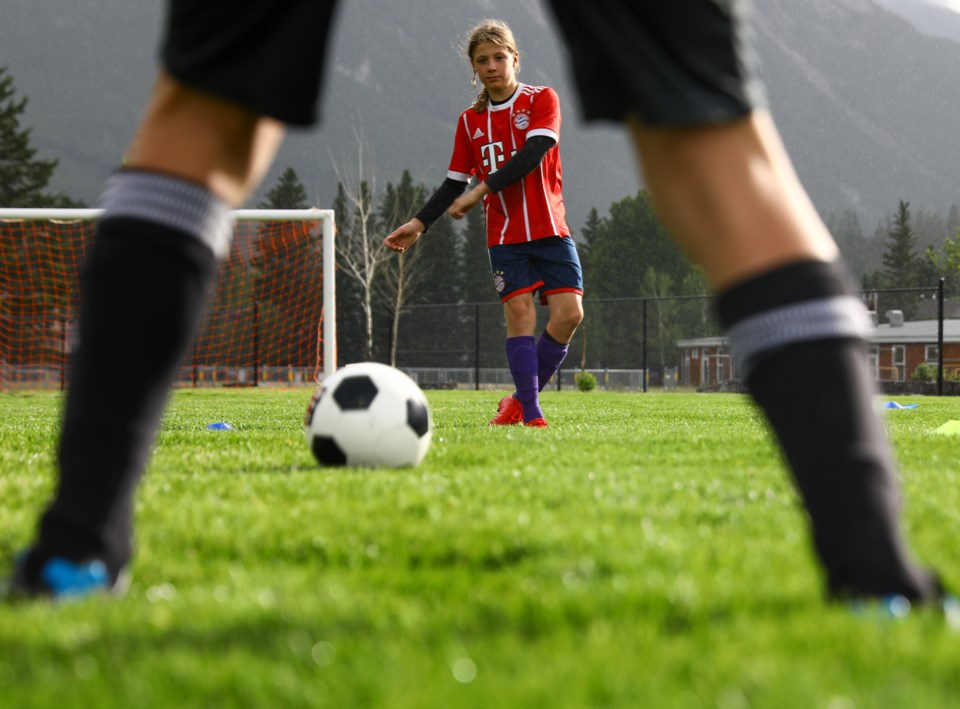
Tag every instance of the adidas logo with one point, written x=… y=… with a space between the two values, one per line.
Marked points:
x=478 y=134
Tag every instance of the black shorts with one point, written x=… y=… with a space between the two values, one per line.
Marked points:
x=267 y=55
x=668 y=62
x=550 y=265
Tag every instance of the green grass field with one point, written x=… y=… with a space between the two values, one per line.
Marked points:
x=645 y=551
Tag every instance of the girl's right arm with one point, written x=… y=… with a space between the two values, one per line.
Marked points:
x=406 y=235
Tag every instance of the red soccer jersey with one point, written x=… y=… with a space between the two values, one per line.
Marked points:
x=533 y=207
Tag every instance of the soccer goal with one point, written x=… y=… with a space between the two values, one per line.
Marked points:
x=271 y=322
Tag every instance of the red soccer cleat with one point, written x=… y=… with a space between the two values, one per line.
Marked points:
x=509 y=412
x=537 y=423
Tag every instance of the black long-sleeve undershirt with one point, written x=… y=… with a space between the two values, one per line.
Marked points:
x=521 y=164
x=515 y=169
x=440 y=201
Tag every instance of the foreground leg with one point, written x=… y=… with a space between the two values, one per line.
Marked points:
x=797 y=335
x=730 y=196
x=145 y=284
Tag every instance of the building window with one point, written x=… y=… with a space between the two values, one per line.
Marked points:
x=931 y=354
x=873 y=358
x=898 y=358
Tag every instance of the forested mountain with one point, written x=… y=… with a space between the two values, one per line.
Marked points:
x=867 y=102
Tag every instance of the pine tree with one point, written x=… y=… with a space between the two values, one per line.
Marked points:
x=477 y=280
x=853 y=243
x=589 y=233
x=22 y=177
x=953 y=221
x=900 y=261
x=901 y=265
x=288 y=193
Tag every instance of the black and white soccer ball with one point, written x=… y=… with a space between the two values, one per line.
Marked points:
x=369 y=415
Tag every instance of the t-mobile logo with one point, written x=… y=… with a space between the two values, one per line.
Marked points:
x=492 y=155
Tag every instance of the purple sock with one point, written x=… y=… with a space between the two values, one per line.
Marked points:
x=550 y=355
x=522 y=360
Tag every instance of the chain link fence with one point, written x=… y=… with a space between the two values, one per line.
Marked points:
x=672 y=342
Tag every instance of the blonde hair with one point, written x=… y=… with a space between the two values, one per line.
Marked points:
x=497 y=32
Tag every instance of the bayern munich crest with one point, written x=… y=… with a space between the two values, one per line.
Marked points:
x=521 y=120
x=498 y=281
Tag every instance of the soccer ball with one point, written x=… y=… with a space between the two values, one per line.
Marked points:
x=368 y=414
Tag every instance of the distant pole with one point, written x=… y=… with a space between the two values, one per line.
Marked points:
x=476 y=347
x=256 y=343
x=644 y=345
x=940 y=338
x=64 y=355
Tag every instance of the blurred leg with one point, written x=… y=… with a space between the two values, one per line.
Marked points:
x=730 y=196
x=145 y=285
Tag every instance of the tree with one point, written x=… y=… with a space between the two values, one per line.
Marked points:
x=946 y=263
x=589 y=233
x=361 y=255
x=350 y=318
x=900 y=260
x=22 y=177
x=627 y=243
x=901 y=265
x=953 y=219
x=442 y=254
x=288 y=193
x=632 y=255
x=659 y=286
x=402 y=274
x=477 y=284
x=858 y=255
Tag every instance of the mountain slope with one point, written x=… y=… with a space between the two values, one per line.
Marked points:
x=864 y=102
x=867 y=103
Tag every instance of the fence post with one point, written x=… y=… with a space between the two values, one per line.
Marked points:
x=256 y=343
x=940 y=338
x=476 y=347
x=63 y=358
x=645 y=373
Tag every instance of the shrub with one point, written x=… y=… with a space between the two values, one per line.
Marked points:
x=924 y=373
x=585 y=381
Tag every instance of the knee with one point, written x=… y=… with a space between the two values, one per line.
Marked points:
x=564 y=322
x=520 y=314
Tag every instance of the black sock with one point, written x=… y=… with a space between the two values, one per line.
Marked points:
x=797 y=338
x=143 y=293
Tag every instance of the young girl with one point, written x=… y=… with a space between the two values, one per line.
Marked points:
x=508 y=140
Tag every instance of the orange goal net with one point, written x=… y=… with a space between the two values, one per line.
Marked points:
x=272 y=321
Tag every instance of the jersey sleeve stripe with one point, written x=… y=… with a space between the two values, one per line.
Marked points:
x=545 y=132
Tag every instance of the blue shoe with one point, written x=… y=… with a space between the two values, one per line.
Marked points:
x=889 y=606
x=894 y=607
x=951 y=612
x=60 y=580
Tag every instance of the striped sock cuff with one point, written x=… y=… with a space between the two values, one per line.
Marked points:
x=764 y=333
x=170 y=202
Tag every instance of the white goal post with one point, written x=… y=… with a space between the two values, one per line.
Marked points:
x=328 y=251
